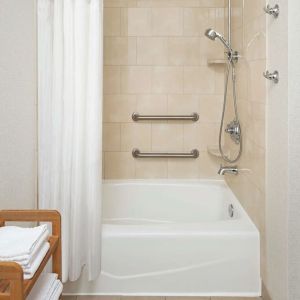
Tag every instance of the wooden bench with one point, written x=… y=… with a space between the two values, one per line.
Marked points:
x=12 y=284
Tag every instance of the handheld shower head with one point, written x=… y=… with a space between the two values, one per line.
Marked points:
x=212 y=35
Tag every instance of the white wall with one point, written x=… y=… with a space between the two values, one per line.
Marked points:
x=294 y=152
x=277 y=156
x=18 y=104
x=283 y=155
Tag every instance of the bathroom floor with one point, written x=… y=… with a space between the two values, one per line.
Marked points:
x=156 y=298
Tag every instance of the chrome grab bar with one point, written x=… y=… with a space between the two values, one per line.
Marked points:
x=193 y=117
x=136 y=153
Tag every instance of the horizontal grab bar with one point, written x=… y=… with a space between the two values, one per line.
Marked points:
x=138 y=154
x=193 y=117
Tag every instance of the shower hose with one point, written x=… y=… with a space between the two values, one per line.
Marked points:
x=230 y=69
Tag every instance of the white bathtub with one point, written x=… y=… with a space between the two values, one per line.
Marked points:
x=175 y=238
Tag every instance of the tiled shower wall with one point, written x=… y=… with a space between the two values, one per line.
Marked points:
x=156 y=62
x=249 y=38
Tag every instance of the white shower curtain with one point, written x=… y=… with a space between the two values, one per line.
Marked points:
x=70 y=126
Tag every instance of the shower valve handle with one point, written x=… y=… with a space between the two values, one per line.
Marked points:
x=272 y=76
x=234 y=130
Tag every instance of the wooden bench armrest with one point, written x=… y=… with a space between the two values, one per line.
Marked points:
x=52 y=216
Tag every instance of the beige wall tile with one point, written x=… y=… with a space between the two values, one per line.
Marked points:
x=151 y=168
x=168 y=3
x=259 y=132
x=219 y=79
x=199 y=80
x=120 y=3
x=124 y=22
x=119 y=51
x=152 y=104
x=136 y=80
x=184 y=51
x=211 y=107
x=192 y=138
x=253 y=8
x=219 y=23
x=152 y=51
x=210 y=50
x=183 y=104
x=112 y=80
x=256 y=165
x=255 y=39
x=242 y=87
x=167 y=21
x=135 y=135
x=112 y=21
x=119 y=165
x=167 y=137
x=183 y=168
x=212 y=3
x=197 y=20
x=119 y=108
x=156 y=57
x=238 y=39
x=209 y=166
x=257 y=84
x=139 y=22
x=199 y=136
x=167 y=80
x=209 y=133
x=111 y=137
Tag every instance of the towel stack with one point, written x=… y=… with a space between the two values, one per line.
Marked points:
x=48 y=287
x=25 y=246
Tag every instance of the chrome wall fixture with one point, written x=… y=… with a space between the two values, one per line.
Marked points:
x=228 y=170
x=234 y=129
x=137 y=117
x=274 y=11
x=272 y=76
x=136 y=153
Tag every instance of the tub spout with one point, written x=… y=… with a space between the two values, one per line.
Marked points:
x=228 y=170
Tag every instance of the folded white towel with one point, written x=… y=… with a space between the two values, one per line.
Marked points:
x=19 y=242
x=45 y=287
x=57 y=292
x=30 y=271
x=27 y=260
x=52 y=289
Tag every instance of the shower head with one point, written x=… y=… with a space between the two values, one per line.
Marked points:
x=212 y=35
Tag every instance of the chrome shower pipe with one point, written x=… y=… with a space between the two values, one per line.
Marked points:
x=234 y=127
x=229 y=22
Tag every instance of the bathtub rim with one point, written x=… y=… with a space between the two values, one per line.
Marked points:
x=239 y=226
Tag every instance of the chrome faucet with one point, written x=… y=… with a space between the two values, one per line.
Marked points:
x=228 y=170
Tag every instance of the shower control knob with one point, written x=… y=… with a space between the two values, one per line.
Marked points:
x=274 y=11
x=234 y=130
x=272 y=76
